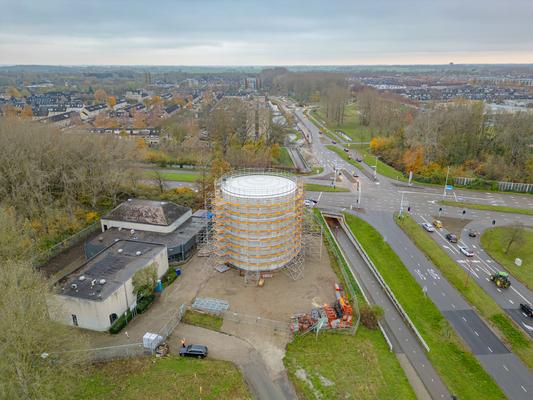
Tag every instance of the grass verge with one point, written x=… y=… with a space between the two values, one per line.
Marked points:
x=359 y=366
x=165 y=378
x=472 y=292
x=284 y=158
x=383 y=169
x=204 y=320
x=337 y=366
x=175 y=176
x=487 y=207
x=495 y=240
x=454 y=363
x=344 y=156
x=314 y=187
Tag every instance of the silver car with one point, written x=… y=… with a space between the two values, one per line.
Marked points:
x=428 y=227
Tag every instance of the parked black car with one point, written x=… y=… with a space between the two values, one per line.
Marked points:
x=194 y=350
x=451 y=237
x=526 y=309
x=472 y=233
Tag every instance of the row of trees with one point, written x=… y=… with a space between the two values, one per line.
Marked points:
x=460 y=134
x=48 y=182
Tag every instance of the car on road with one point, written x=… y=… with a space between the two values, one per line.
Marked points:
x=346 y=150
x=355 y=175
x=451 y=238
x=466 y=251
x=310 y=202
x=194 y=350
x=472 y=233
x=359 y=159
x=526 y=309
x=333 y=142
x=428 y=227
x=437 y=224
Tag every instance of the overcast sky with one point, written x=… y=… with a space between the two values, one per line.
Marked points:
x=269 y=32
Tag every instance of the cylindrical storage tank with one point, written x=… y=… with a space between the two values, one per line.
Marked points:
x=258 y=220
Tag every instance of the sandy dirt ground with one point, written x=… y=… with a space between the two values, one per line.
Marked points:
x=258 y=316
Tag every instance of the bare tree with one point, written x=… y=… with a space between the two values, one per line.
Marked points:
x=514 y=235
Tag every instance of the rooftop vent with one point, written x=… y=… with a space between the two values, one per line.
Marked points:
x=129 y=199
x=120 y=250
x=102 y=281
x=74 y=286
x=100 y=239
x=119 y=228
x=82 y=278
x=132 y=232
x=138 y=253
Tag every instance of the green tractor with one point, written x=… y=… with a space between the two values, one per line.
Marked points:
x=501 y=279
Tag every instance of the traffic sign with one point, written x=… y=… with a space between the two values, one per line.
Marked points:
x=449 y=187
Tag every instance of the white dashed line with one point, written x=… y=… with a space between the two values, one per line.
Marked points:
x=477 y=334
x=464 y=319
x=510 y=301
x=490 y=349
x=505 y=367
x=523 y=388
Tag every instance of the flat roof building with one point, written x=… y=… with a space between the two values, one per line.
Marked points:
x=101 y=290
x=160 y=222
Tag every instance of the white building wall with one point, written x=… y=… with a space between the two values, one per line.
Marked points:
x=108 y=223
x=95 y=314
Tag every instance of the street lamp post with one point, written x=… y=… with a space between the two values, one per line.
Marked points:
x=401 y=205
x=376 y=168
x=446 y=183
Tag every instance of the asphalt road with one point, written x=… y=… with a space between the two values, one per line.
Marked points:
x=402 y=338
x=379 y=201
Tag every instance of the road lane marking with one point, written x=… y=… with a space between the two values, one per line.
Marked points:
x=518 y=293
x=523 y=388
x=490 y=349
x=505 y=367
x=477 y=334
x=464 y=319
x=510 y=301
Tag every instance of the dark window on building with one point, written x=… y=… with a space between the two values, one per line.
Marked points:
x=74 y=320
x=112 y=318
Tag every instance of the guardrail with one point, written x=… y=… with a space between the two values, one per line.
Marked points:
x=380 y=279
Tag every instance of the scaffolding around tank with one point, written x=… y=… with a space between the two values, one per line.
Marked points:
x=258 y=220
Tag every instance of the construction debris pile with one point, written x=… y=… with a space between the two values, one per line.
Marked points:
x=336 y=316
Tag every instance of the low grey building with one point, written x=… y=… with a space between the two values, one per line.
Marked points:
x=159 y=222
x=101 y=290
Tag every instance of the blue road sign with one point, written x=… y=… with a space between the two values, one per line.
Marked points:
x=449 y=187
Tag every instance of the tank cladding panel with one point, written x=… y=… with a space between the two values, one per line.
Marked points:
x=259 y=220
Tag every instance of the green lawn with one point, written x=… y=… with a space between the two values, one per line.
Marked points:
x=458 y=367
x=175 y=176
x=284 y=158
x=351 y=126
x=487 y=207
x=204 y=320
x=167 y=378
x=314 y=187
x=360 y=367
x=495 y=240
x=472 y=292
x=383 y=169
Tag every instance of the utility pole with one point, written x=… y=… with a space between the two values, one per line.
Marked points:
x=376 y=169
x=401 y=205
x=446 y=183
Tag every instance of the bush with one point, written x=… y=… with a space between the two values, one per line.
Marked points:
x=121 y=322
x=144 y=302
x=169 y=277
x=370 y=315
